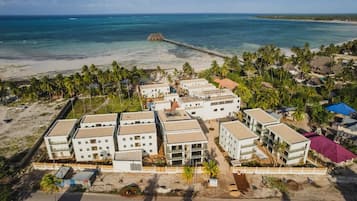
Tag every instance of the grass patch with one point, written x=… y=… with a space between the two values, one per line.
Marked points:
x=85 y=106
x=277 y=183
x=117 y=105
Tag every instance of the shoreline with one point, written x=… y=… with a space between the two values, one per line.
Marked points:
x=311 y=20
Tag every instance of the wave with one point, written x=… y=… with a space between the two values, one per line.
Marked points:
x=72 y=18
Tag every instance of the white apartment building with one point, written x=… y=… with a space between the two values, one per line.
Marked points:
x=154 y=90
x=215 y=107
x=193 y=90
x=99 y=120
x=257 y=120
x=237 y=140
x=94 y=144
x=186 y=84
x=58 y=139
x=139 y=136
x=297 y=146
x=184 y=142
x=130 y=118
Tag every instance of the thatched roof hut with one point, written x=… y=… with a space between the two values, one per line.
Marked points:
x=155 y=37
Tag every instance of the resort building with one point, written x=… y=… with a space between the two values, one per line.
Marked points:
x=130 y=118
x=294 y=146
x=186 y=84
x=154 y=90
x=58 y=139
x=184 y=142
x=193 y=90
x=99 y=120
x=237 y=140
x=94 y=144
x=138 y=137
x=257 y=120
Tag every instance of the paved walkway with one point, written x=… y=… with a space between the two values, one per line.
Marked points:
x=225 y=176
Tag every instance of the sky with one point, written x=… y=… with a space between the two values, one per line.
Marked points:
x=45 y=7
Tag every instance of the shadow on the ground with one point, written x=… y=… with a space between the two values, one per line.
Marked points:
x=285 y=197
x=346 y=183
x=189 y=194
x=72 y=196
x=27 y=184
x=149 y=191
x=211 y=155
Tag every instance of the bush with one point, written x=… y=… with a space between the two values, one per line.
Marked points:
x=130 y=190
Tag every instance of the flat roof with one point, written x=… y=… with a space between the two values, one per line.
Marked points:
x=239 y=130
x=133 y=155
x=186 y=138
x=100 y=118
x=128 y=116
x=62 y=127
x=203 y=86
x=137 y=129
x=287 y=134
x=181 y=125
x=176 y=115
x=95 y=132
x=149 y=86
x=193 y=80
x=188 y=99
x=261 y=116
x=224 y=97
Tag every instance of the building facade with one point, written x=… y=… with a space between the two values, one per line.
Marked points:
x=58 y=139
x=237 y=140
x=154 y=90
x=290 y=146
x=99 y=120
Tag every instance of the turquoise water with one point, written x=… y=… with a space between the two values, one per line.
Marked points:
x=78 y=37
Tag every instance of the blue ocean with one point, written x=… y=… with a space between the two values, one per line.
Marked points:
x=76 y=38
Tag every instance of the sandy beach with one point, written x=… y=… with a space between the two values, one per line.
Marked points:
x=142 y=58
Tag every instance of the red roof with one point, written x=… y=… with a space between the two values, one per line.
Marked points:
x=331 y=150
x=226 y=83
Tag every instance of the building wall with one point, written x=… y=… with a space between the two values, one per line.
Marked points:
x=187 y=154
x=147 y=142
x=59 y=147
x=98 y=124
x=236 y=149
x=85 y=148
x=209 y=111
x=141 y=121
x=155 y=92
x=126 y=166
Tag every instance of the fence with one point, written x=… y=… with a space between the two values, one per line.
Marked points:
x=109 y=168
x=62 y=114
x=280 y=170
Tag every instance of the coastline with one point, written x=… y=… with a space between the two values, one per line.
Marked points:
x=310 y=20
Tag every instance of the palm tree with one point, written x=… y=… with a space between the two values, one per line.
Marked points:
x=279 y=148
x=188 y=70
x=69 y=86
x=214 y=67
x=211 y=169
x=299 y=114
x=49 y=184
x=188 y=173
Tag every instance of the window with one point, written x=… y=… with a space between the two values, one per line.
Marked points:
x=137 y=137
x=150 y=150
x=131 y=145
x=150 y=143
x=106 y=140
x=80 y=149
x=94 y=148
x=222 y=109
x=93 y=141
x=150 y=137
x=107 y=147
x=131 y=138
x=100 y=148
x=87 y=149
x=137 y=145
x=215 y=110
x=82 y=156
x=101 y=155
x=193 y=113
x=143 y=137
x=89 y=156
x=124 y=146
x=79 y=142
x=86 y=142
x=108 y=154
x=144 y=145
x=123 y=138
x=99 y=141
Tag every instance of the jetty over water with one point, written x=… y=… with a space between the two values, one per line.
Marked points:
x=160 y=37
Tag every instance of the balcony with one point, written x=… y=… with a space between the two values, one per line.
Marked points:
x=247 y=153
x=197 y=149
x=175 y=151
x=59 y=149
x=57 y=142
x=297 y=150
x=196 y=156
x=248 y=145
x=176 y=158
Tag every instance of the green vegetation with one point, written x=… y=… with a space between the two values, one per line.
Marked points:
x=130 y=190
x=277 y=183
x=116 y=105
x=85 y=106
x=49 y=183
x=187 y=174
x=211 y=168
x=343 y=17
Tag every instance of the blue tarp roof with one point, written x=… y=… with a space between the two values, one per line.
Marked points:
x=341 y=108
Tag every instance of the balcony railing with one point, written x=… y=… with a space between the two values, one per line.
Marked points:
x=196 y=156
x=175 y=151
x=197 y=149
x=248 y=152
x=176 y=158
x=59 y=149
x=248 y=145
x=297 y=150
x=58 y=142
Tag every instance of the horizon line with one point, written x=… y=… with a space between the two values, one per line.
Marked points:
x=178 y=13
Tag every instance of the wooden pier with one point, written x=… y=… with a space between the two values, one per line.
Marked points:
x=160 y=37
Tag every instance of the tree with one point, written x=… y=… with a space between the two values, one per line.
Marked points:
x=49 y=184
x=214 y=67
x=187 y=70
x=319 y=115
x=279 y=148
x=211 y=169
x=299 y=114
x=188 y=173
x=329 y=85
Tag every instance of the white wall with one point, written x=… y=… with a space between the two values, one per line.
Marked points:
x=124 y=166
x=147 y=141
x=83 y=148
x=155 y=92
x=64 y=145
x=98 y=124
